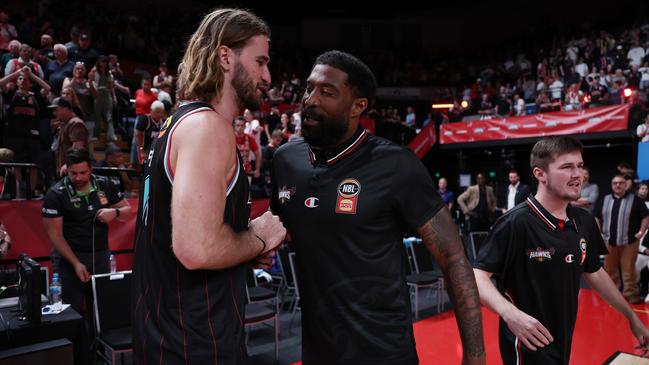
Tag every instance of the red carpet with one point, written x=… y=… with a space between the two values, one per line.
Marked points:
x=600 y=331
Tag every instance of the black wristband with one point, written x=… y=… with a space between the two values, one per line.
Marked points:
x=116 y=212
x=263 y=243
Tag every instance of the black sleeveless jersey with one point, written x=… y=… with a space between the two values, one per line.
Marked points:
x=184 y=316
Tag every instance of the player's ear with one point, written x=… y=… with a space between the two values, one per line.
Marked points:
x=539 y=175
x=225 y=56
x=358 y=107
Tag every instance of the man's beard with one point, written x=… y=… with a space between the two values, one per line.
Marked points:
x=245 y=89
x=327 y=132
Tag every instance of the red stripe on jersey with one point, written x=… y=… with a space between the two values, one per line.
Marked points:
x=209 y=319
x=234 y=301
x=351 y=149
x=180 y=312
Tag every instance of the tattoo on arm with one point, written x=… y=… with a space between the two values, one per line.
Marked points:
x=440 y=236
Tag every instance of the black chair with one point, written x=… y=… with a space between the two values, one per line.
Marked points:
x=112 y=302
x=258 y=293
x=423 y=274
x=296 y=302
x=477 y=239
x=289 y=287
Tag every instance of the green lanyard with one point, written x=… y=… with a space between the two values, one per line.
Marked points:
x=75 y=196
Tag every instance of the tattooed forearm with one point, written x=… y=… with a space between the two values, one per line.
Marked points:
x=440 y=236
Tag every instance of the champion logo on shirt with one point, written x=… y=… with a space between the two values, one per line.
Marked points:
x=540 y=254
x=312 y=202
x=570 y=258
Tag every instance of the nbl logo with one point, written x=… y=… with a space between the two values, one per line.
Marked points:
x=347 y=201
x=349 y=188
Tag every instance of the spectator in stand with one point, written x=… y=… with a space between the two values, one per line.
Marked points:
x=272 y=121
x=45 y=54
x=144 y=97
x=104 y=98
x=643 y=130
x=72 y=133
x=573 y=98
x=84 y=52
x=411 y=118
x=162 y=76
x=519 y=106
x=14 y=52
x=248 y=149
x=253 y=127
x=164 y=94
x=615 y=93
x=503 y=103
x=85 y=92
x=114 y=67
x=287 y=128
x=486 y=107
x=115 y=158
x=633 y=77
x=644 y=79
x=25 y=59
x=556 y=89
x=22 y=128
x=636 y=54
x=589 y=192
x=598 y=92
x=267 y=160
x=68 y=94
x=59 y=69
x=275 y=95
x=74 y=39
x=147 y=129
x=7 y=32
x=447 y=196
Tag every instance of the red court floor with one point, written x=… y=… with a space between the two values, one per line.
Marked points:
x=600 y=331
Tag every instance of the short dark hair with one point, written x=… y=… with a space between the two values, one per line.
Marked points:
x=360 y=78
x=514 y=171
x=74 y=156
x=545 y=150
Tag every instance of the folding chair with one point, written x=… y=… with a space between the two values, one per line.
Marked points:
x=423 y=274
x=112 y=309
x=296 y=302
x=289 y=287
x=477 y=238
x=258 y=310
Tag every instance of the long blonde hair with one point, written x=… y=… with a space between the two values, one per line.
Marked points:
x=201 y=76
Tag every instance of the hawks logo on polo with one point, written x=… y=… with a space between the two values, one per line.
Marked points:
x=582 y=246
x=540 y=254
x=348 y=191
x=284 y=194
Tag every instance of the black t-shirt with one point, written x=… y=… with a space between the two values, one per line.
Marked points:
x=346 y=212
x=150 y=127
x=537 y=262
x=198 y=313
x=79 y=211
x=22 y=115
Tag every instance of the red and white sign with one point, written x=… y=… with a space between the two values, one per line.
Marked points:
x=600 y=119
x=424 y=141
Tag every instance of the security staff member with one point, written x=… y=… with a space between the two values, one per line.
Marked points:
x=76 y=213
x=347 y=198
x=538 y=252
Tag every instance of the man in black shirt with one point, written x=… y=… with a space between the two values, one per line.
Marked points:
x=347 y=198
x=76 y=213
x=538 y=252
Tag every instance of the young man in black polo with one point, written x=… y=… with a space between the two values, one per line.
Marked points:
x=346 y=198
x=537 y=252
